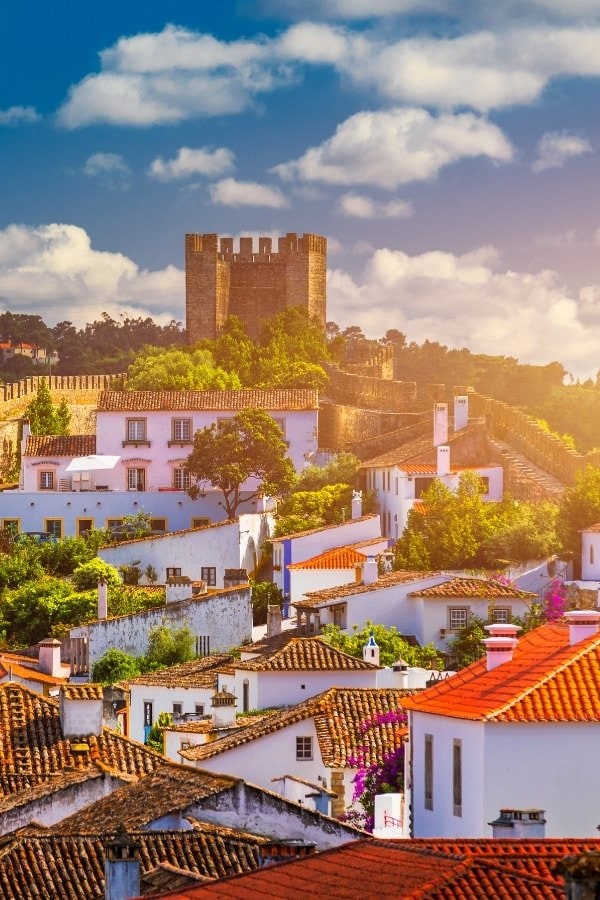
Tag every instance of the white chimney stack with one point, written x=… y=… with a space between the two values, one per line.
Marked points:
x=356 y=504
x=519 y=823
x=102 y=599
x=461 y=413
x=443 y=461
x=49 y=657
x=369 y=570
x=440 y=424
x=500 y=644
x=273 y=620
x=80 y=707
x=224 y=707
x=582 y=624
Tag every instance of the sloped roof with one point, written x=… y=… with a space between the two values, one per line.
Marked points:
x=322 y=528
x=474 y=587
x=306 y=654
x=34 y=753
x=197 y=673
x=60 y=445
x=339 y=715
x=405 y=452
x=338 y=558
x=547 y=680
x=405 y=870
x=390 y=579
x=214 y=401
x=35 y=865
x=11 y=666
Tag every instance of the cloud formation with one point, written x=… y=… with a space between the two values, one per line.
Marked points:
x=471 y=301
x=110 y=168
x=395 y=147
x=230 y=192
x=17 y=115
x=555 y=148
x=54 y=268
x=363 y=207
x=189 y=162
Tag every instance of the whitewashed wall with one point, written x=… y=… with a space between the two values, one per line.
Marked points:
x=163 y=698
x=273 y=689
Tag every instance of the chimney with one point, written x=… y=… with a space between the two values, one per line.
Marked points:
x=461 y=413
x=443 y=461
x=371 y=651
x=440 y=424
x=400 y=676
x=369 y=570
x=282 y=851
x=233 y=577
x=121 y=867
x=500 y=644
x=25 y=433
x=49 y=657
x=177 y=587
x=80 y=709
x=582 y=624
x=102 y=599
x=224 y=708
x=582 y=876
x=273 y=620
x=356 y=504
x=519 y=823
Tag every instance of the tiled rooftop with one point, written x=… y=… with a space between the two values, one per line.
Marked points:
x=197 y=673
x=81 y=691
x=11 y=667
x=33 y=751
x=593 y=529
x=328 y=595
x=339 y=558
x=323 y=528
x=306 y=654
x=409 y=870
x=547 y=680
x=475 y=587
x=44 y=866
x=174 y=534
x=217 y=401
x=403 y=454
x=338 y=715
x=60 y=445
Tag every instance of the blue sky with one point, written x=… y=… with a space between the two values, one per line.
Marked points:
x=448 y=150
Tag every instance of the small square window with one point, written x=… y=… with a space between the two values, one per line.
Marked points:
x=200 y=522
x=158 y=524
x=458 y=617
x=181 y=479
x=304 y=748
x=54 y=527
x=208 y=574
x=47 y=481
x=136 y=430
x=501 y=614
x=199 y=709
x=173 y=572
x=177 y=710
x=182 y=431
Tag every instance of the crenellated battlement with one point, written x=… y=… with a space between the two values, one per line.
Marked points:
x=252 y=280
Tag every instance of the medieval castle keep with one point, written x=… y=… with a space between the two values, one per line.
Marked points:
x=252 y=286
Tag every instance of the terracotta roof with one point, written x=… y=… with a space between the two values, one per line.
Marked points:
x=475 y=587
x=403 y=454
x=60 y=445
x=42 y=865
x=218 y=401
x=169 y=789
x=547 y=680
x=338 y=715
x=404 y=870
x=297 y=534
x=268 y=644
x=34 y=752
x=306 y=654
x=339 y=558
x=82 y=691
x=197 y=673
x=591 y=529
x=11 y=667
x=172 y=534
x=331 y=595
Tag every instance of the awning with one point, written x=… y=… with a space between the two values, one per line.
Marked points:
x=92 y=463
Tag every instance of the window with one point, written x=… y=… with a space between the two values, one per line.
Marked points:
x=54 y=527
x=200 y=523
x=181 y=480
x=208 y=574
x=173 y=572
x=158 y=524
x=304 y=748
x=501 y=614
x=458 y=617
x=11 y=525
x=246 y=695
x=421 y=485
x=181 y=431
x=113 y=523
x=136 y=479
x=84 y=526
x=177 y=710
x=136 y=431
x=203 y=645
x=591 y=554
x=457 y=777
x=281 y=423
x=47 y=481
x=148 y=715
x=199 y=709
x=428 y=771
x=486 y=484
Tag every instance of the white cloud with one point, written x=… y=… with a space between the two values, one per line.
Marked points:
x=110 y=168
x=363 y=207
x=471 y=301
x=189 y=162
x=15 y=115
x=555 y=148
x=230 y=192
x=56 y=269
x=397 y=147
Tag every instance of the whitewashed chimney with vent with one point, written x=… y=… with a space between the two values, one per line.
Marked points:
x=371 y=651
x=461 y=413
x=370 y=572
x=501 y=643
x=224 y=708
x=80 y=709
x=443 y=461
x=582 y=624
x=122 y=878
x=49 y=657
x=356 y=504
x=102 y=599
x=178 y=587
x=440 y=424
x=519 y=823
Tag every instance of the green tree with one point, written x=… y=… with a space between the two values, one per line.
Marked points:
x=43 y=608
x=264 y=594
x=467 y=646
x=392 y=645
x=44 y=417
x=88 y=574
x=228 y=453
x=234 y=351
x=169 y=646
x=114 y=666
x=178 y=369
x=579 y=508
x=156 y=738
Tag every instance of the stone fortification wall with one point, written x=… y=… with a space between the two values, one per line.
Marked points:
x=341 y=426
x=376 y=365
x=369 y=392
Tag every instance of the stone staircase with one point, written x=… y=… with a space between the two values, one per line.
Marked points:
x=522 y=478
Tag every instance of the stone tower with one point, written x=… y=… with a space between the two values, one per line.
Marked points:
x=252 y=286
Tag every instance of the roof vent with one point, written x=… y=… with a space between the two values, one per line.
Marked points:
x=500 y=644
x=582 y=624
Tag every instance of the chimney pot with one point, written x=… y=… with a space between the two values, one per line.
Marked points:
x=501 y=644
x=582 y=624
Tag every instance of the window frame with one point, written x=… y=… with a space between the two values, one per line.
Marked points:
x=182 y=424
x=183 y=477
x=47 y=475
x=131 y=428
x=204 y=520
x=210 y=580
x=457 y=779
x=55 y=520
x=505 y=615
x=137 y=470
x=428 y=772
x=11 y=524
x=304 y=748
x=452 y=613
x=177 y=709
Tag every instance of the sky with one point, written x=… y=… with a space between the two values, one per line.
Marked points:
x=448 y=149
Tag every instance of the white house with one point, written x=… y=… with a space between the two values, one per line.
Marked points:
x=342 y=565
x=322 y=740
x=517 y=730
x=590 y=553
x=133 y=462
